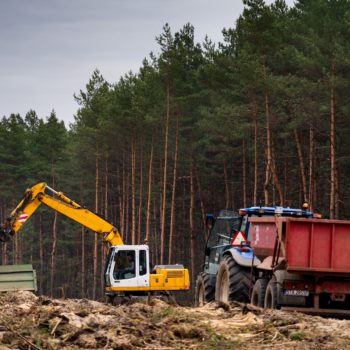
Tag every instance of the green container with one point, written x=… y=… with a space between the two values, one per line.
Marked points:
x=17 y=277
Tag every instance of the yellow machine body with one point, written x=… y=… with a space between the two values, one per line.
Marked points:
x=162 y=280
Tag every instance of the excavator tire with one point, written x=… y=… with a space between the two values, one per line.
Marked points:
x=258 y=292
x=232 y=281
x=205 y=290
x=116 y=300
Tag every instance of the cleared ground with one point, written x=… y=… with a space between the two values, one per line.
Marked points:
x=30 y=322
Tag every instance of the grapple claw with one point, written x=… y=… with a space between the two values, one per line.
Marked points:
x=5 y=234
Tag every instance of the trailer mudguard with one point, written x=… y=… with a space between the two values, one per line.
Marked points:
x=244 y=258
x=282 y=299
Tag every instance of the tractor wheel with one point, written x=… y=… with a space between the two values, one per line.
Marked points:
x=205 y=290
x=258 y=292
x=232 y=281
x=271 y=295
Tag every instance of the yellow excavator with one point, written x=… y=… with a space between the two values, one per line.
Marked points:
x=128 y=268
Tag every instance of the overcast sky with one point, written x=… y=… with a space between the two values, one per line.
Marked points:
x=49 y=48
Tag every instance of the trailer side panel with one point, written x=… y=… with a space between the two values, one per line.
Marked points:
x=318 y=245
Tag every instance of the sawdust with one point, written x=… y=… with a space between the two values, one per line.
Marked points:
x=31 y=322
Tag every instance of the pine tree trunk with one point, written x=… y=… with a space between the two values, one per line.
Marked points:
x=227 y=191
x=301 y=165
x=149 y=196
x=200 y=198
x=333 y=177
x=4 y=254
x=268 y=150
x=83 y=272
x=285 y=176
x=133 y=193
x=127 y=209
x=232 y=187
x=16 y=249
x=336 y=195
x=119 y=203
x=139 y=223
x=53 y=254
x=95 y=253
x=270 y=164
x=13 y=251
x=41 y=252
x=191 y=222
x=154 y=241
x=244 y=174
x=54 y=240
x=184 y=240
x=276 y=181
x=122 y=203
x=311 y=167
x=103 y=245
x=162 y=228
x=172 y=212
x=255 y=190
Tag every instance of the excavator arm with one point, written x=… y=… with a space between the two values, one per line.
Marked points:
x=57 y=201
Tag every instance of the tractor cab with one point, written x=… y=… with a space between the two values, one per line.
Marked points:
x=246 y=213
x=232 y=229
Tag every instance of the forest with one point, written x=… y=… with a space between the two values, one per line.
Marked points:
x=260 y=118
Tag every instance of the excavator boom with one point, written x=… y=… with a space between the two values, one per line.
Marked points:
x=38 y=195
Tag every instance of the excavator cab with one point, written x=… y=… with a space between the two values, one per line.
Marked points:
x=128 y=270
x=128 y=267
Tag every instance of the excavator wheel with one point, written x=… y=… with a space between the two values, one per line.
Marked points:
x=232 y=281
x=116 y=300
x=205 y=289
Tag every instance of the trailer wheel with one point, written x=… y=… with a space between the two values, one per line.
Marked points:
x=258 y=292
x=232 y=281
x=271 y=295
x=205 y=290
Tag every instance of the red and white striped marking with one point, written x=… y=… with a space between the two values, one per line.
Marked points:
x=22 y=218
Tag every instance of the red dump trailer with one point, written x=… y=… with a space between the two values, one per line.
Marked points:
x=305 y=264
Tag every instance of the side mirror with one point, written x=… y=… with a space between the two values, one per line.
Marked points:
x=209 y=221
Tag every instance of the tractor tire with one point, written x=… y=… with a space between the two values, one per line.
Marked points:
x=232 y=281
x=258 y=292
x=205 y=290
x=271 y=295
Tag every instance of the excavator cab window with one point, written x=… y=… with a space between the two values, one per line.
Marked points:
x=124 y=267
x=143 y=263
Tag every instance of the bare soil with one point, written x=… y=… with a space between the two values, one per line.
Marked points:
x=31 y=322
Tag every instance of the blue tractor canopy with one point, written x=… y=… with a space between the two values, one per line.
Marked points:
x=281 y=211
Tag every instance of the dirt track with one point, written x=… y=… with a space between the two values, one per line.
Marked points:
x=30 y=322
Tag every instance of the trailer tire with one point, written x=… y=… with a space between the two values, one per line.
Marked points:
x=232 y=281
x=271 y=295
x=258 y=292
x=205 y=290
